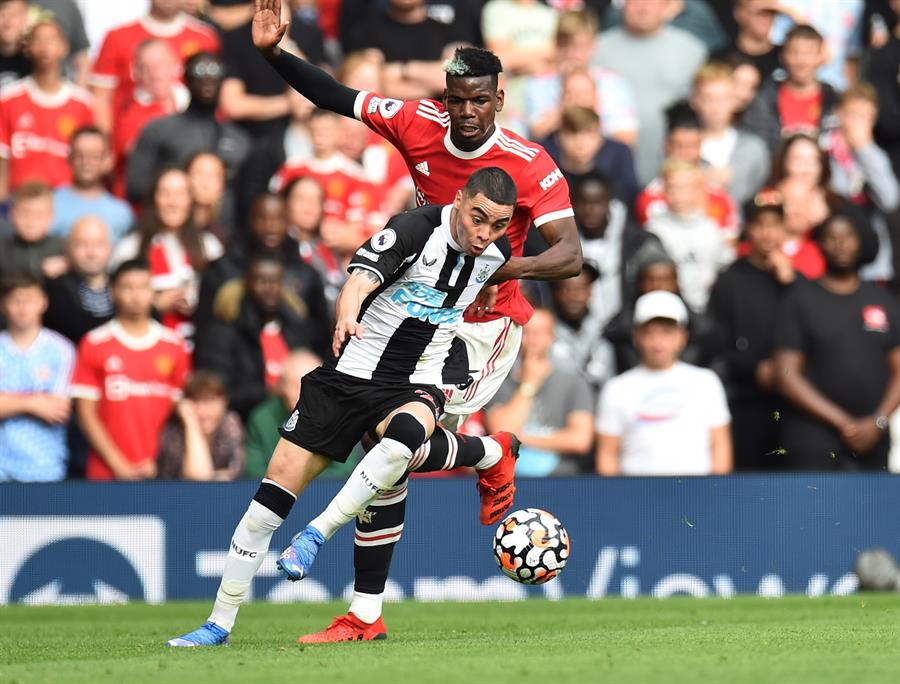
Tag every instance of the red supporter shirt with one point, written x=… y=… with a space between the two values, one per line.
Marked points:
x=115 y=61
x=719 y=206
x=136 y=381
x=342 y=179
x=35 y=129
x=274 y=350
x=799 y=114
x=420 y=129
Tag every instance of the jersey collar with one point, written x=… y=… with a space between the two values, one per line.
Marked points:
x=136 y=343
x=162 y=29
x=474 y=154
x=48 y=100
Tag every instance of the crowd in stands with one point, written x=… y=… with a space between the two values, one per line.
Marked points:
x=175 y=224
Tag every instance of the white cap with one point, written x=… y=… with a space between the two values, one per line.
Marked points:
x=660 y=304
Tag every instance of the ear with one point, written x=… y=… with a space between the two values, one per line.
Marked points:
x=500 y=99
x=457 y=200
x=444 y=98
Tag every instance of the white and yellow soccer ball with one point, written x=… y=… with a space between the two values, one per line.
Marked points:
x=531 y=546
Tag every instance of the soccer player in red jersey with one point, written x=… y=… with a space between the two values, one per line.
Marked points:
x=443 y=143
x=112 y=78
x=128 y=374
x=39 y=113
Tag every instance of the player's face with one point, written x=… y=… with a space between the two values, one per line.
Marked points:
x=264 y=282
x=839 y=243
x=659 y=342
x=268 y=221
x=479 y=222
x=24 y=307
x=472 y=104
x=133 y=295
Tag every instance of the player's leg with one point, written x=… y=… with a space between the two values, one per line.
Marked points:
x=291 y=468
x=401 y=433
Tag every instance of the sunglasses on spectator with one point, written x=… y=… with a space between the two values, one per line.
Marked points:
x=204 y=69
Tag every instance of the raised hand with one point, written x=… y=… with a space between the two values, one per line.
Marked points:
x=268 y=28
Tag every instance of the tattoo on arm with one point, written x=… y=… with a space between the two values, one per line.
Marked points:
x=370 y=275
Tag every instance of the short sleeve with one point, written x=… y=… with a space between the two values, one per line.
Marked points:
x=65 y=354
x=579 y=396
x=790 y=332
x=611 y=418
x=388 y=117
x=105 y=74
x=180 y=371
x=398 y=244
x=87 y=380
x=547 y=193
x=716 y=411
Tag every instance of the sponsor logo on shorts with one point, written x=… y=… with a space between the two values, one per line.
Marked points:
x=292 y=422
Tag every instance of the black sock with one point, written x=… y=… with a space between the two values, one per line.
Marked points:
x=378 y=529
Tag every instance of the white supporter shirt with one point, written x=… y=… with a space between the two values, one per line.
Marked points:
x=664 y=418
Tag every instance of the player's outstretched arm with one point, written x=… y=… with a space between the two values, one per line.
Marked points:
x=359 y=285
x=310 y=81
x=562 y=260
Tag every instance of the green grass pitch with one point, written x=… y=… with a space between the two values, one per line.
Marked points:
x=852 y=639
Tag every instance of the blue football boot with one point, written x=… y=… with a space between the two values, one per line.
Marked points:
x=297 y=559
x=209 y=634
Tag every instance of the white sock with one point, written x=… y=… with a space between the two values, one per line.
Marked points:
x=377 y=472
x=367 y=607
x=493 y=452
x=245 y=554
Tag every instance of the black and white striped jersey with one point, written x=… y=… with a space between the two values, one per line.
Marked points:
x=410 y=321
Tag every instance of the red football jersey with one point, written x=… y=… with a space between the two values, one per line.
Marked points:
x=35 y=129
x=420 y=129
x=719 y=206
x=342 y=179
x=136 y=381
x=114 y=67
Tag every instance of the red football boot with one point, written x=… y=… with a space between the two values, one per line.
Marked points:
x=496 y=485
x=347 y=628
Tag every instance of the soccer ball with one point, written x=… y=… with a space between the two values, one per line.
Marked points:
x=531 y=546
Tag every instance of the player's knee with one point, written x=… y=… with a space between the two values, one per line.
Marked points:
x=270 y=506
x=405 y=429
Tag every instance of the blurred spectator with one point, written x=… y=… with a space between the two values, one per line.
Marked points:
x=80 y=300
x=32 y=249
x=610 y=242
x=754 y=22
x=613 y=98
x=172 y=140
x=343 y=180
x=13 y=22
x=580 y=148
x=268 y=231
x=39 y=113
x=800 y=103
x=254 y=95
x=659 y=61
x=176 y=249
x=830 y=331
x=881 y=71
x=90 y=161
x=412 y=44
x=549 y=408
x=737 y=160
x=256 y=321
x=35 y=372
x=802 y=174
x=746 y=80
x=684 y=142
x=305 y=206
x=690 y=237
x=861 y=171
x=68 y=16
x=657 y=271
x=265 y=419
x=664 y=417
x=128 y=375
x=839 y=24
x=113 y=74
x=213 y=212
x=744 y=304
x=579 y=346
x=693 y=16
x=203 y=440
x=158 y=91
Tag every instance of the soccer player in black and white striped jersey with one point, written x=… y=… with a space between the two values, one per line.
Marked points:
x=394 y=344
